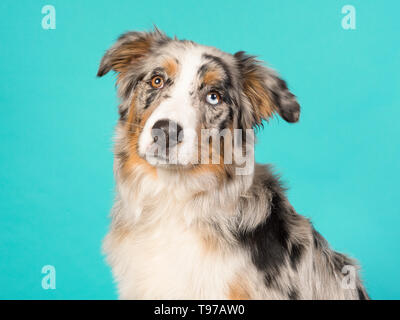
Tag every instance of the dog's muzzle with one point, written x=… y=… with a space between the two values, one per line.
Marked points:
x=167 y=134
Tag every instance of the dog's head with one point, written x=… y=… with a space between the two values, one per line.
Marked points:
x=175 y=92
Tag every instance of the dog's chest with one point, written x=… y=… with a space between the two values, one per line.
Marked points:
x=167 y=259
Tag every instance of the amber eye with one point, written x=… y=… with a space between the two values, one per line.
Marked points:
x=213 y=98
x=157 y=82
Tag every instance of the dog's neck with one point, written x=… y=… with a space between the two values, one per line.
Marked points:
x=199 y=198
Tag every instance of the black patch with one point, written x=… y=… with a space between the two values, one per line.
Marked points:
x=157 y=72
x=318 y=240
x=339 y=261
x=230 y=115
x=129 y=88
x=216 y=114
x=293 y=294
x=229 y=175
x=295 y=254
x=122 y=156
x=224 y=124
x=268 y=242
x=132 y=85
x=288 y=107
x=123 y=113
x=240 y=120
x=202 y=70
x=168 y=82
x=362 y=295
x=315 y=239
x=226 y=97
x=270 y=278
x=150 y=99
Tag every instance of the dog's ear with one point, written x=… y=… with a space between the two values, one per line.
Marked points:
x=265 y=91
x=130 y=48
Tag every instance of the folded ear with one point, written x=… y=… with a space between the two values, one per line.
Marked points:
x=130 y=48
x=265 y=91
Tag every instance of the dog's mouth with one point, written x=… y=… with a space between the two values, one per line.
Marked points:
x=159 y=154
x=167 y=163
x=159 y=158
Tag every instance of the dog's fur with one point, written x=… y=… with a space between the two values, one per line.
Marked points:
x=201 y=231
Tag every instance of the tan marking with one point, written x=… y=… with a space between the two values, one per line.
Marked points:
x=130 y=53
x=217 y=169
x=204 y=156
x=170 y=67
x=258 y=96
x=209 y=241
x=133 y=129
x=238 y=290
x=205 y=152
x=212 y=76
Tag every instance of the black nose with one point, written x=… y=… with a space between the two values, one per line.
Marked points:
x=167 y=133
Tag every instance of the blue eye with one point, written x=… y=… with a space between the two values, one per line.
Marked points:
x=213 y=98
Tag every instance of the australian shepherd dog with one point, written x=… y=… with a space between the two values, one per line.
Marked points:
x=194 y=217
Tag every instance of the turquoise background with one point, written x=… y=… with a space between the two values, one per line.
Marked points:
x=56 y=126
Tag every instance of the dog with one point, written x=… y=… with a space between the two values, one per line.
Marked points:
x=187 y=228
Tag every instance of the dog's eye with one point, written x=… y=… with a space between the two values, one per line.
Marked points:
x=213 y=98
x=157 y=82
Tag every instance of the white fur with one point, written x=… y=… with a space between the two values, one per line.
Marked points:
x=163 y=256
x=178 y=108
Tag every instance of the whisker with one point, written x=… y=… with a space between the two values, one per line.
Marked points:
x=133 y=126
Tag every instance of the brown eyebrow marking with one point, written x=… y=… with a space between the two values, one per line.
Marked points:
x=170 y=66
x=212 y=77
x=220 y=63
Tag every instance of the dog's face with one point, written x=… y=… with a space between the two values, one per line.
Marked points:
x=175 y=93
